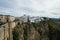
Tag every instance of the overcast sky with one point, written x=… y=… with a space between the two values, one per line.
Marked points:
x=47 y=8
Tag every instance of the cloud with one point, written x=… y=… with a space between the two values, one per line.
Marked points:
x=48 y=8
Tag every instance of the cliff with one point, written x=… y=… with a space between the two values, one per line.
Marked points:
x=11 y=29
x=44 y=30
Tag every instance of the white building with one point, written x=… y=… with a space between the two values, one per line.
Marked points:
x=25 y=18
x=36 y=19
x=32 y=19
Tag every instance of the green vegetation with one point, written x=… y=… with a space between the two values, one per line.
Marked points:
x=25 y=33
x=16 y=33
x=54 y=29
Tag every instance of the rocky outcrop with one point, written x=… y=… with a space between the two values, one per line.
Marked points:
x=27 y=31
x=42 y=31
x=6 y=18
x=6 y=31
x=11 y=29
x=7 y=24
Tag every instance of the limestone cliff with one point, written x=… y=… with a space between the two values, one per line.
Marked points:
x=34 y=31
x=11 y=29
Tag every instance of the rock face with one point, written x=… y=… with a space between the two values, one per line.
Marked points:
x=19 y=30
x=6 y=26
x=27 y=31
x=6 y=31
x=1 y=33
x=35 y=35
x=32 y=34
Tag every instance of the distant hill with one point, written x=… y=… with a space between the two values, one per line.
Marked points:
x=56 y=19
x=53 y=19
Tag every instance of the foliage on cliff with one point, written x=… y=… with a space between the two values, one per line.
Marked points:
x=54 y=30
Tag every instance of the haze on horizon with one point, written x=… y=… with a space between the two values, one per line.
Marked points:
x=45 y=8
